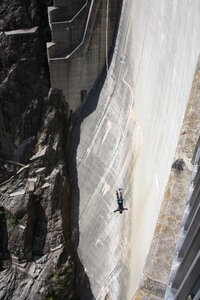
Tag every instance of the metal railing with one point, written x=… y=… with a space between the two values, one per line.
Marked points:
x=85 y=29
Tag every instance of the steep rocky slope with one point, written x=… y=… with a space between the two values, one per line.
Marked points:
x=36 y=257
x=23 y=72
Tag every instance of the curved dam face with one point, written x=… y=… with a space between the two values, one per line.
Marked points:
x=128 y=139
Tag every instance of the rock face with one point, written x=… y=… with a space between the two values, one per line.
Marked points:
x=36 y=256
x=35 y=245
x=23 y=73
x=32 y=204
x=125 y=136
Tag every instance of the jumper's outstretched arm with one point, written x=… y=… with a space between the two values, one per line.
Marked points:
x=120 y=209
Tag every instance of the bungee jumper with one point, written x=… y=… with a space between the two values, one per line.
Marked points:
x=120 y=201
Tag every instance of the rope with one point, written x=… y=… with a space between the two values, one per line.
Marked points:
x=107 y=19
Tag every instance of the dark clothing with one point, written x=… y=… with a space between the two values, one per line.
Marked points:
x=120 y=202
x=120 y=209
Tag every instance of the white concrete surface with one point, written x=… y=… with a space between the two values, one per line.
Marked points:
x=131 y=137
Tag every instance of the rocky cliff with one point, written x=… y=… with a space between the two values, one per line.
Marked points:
x=36 y=256
x=125 y=135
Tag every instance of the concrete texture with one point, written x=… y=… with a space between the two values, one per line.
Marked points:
x=127 y=137
x=162 y=251
x=79 y=48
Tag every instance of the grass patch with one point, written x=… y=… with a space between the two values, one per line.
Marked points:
x=11 y=219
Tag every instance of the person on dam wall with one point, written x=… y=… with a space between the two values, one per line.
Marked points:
x=120 y=201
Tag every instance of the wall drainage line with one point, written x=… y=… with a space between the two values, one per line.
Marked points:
x=107 y=12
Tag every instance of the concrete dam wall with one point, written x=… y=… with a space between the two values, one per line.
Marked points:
x=126 y=136
x=82 y=34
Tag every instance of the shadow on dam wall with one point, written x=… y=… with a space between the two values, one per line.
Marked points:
x=83 y=283
x=83 y=286
x=88 y=107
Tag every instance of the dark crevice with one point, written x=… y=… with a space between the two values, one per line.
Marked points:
x=39 y=230
x=4 y=253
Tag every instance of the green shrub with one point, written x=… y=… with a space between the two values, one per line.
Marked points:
x=60 y=281
x=11 y=219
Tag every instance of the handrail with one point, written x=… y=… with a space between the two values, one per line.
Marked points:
x=84 y=35
x=86 y=27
